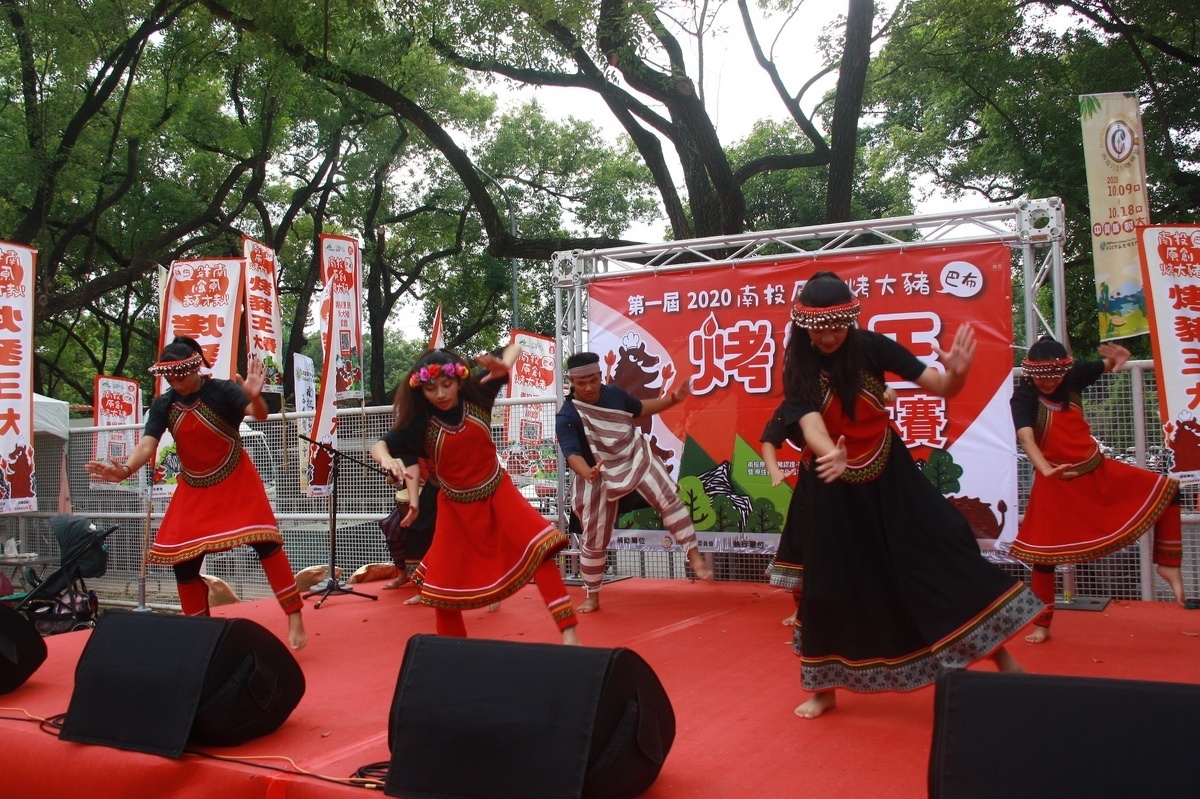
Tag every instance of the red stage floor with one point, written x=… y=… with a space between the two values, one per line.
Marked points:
x=719 y=650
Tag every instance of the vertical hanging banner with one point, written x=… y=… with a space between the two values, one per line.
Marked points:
x=437 y=335
x=18 y=478
x=1170 y=259
x=305 y=379
x=532 y=376
x=319 y=470
x=725 y=327
x=1115 y=159
x=341 y=269
x=203 y=300
x=118 y=404
x=264 y=326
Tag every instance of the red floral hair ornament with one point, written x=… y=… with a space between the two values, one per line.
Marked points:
x=431 y=371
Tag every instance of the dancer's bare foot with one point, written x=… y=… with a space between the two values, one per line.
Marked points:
x=1038 y=635
x=401 y=579
x=413 y=600
x=591 y=604
x=1174 y=579
x=699 y=564
x=494 y=607
x=297 y=638
x=1006 y=662
x=817 y=704
x=570 y=637
x=790 y=620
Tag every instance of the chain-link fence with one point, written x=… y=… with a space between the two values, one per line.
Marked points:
x=1121 y=408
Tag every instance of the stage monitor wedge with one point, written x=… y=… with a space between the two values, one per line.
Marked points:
x=533 y=721
x=22 y=650
x=155 y=683
x=996 y=736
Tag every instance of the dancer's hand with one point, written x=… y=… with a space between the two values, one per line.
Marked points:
x=961 y=355
x=110 y=471
x=832 y=464
x=255 y=379
x=1064 y=471
x=1114 y=355
x=778 y=475
x=498 y=367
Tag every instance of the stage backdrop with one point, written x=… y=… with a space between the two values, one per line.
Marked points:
x=726 y=327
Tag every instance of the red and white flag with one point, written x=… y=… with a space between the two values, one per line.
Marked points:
x=264 y=328
x=18 y=484
x=341 y=269
x=437 y=336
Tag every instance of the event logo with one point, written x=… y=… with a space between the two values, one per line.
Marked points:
x=1119 y=140
x=961 y=279
x=200 y=285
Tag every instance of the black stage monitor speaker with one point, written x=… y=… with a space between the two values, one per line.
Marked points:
x=504 y=720
x=1005 y=735
x=156 y=683
x=22 y=649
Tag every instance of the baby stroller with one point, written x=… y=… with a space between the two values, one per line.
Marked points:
x=61 y=602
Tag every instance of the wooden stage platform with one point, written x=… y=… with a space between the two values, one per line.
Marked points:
x=719 y=650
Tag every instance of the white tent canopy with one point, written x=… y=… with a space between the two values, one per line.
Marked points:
x=51 y=416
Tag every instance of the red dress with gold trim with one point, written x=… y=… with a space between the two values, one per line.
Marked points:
x=488 y=539
x=1108 y=507
x=220 y=502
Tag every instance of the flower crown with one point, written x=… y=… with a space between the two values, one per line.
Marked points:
x=1055 y=367
x=177 y=368
x=427 y=373
x=812 y=318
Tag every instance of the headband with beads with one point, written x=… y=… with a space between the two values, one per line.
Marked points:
x=811 y=318
x=177 y=368
x=427 y=373
x=1055 y=367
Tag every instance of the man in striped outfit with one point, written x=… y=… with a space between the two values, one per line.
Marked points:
x=611 y=459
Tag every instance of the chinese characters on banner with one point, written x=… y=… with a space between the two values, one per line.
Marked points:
x=265 y=328
x=341 y=269
x=118 y=404
x=1170 y=256
x=305 y=379
x=1115 y=160
x=531 y=376
x=18 y=481
x=726 y=328
x=319 y=468
x=203 y=300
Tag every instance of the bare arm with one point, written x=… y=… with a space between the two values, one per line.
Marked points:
x=770 y=457
x=831 y=455
x=252 y=384
x=1028 y=443
x=676 y=396
x=114 y=471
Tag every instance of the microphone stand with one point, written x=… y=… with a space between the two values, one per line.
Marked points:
x=331 y=584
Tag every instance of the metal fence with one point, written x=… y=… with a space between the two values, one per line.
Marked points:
x=1122 y=410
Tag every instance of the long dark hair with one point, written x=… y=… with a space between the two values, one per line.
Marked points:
x=182 y=347
x=802 y=360
x=410 y=401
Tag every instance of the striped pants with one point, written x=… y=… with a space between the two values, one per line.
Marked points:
x=596 y=508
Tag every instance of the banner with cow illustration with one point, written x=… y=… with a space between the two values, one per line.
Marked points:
x=264 y=327
x=341 y=269
x=18 y=477
x=726 y=327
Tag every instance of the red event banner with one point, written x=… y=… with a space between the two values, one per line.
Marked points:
x=1170 y=258
x=118 y=404
x=726 y=327
x=203 y=300
x=341 y=269
x=263 y=322
x=18 y=478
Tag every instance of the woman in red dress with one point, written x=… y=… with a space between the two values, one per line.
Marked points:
x=1083 y=505
x=488 y=540
x=220 y=502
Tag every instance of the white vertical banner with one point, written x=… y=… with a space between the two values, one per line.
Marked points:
x=532 y=376
x=319 y=469
x=18 y=480
x=203 y=300
x=1115 y=160
x=118 y=403
x=1170 y=260
x=305 y=381
x=264 y=325
x=341 y=269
